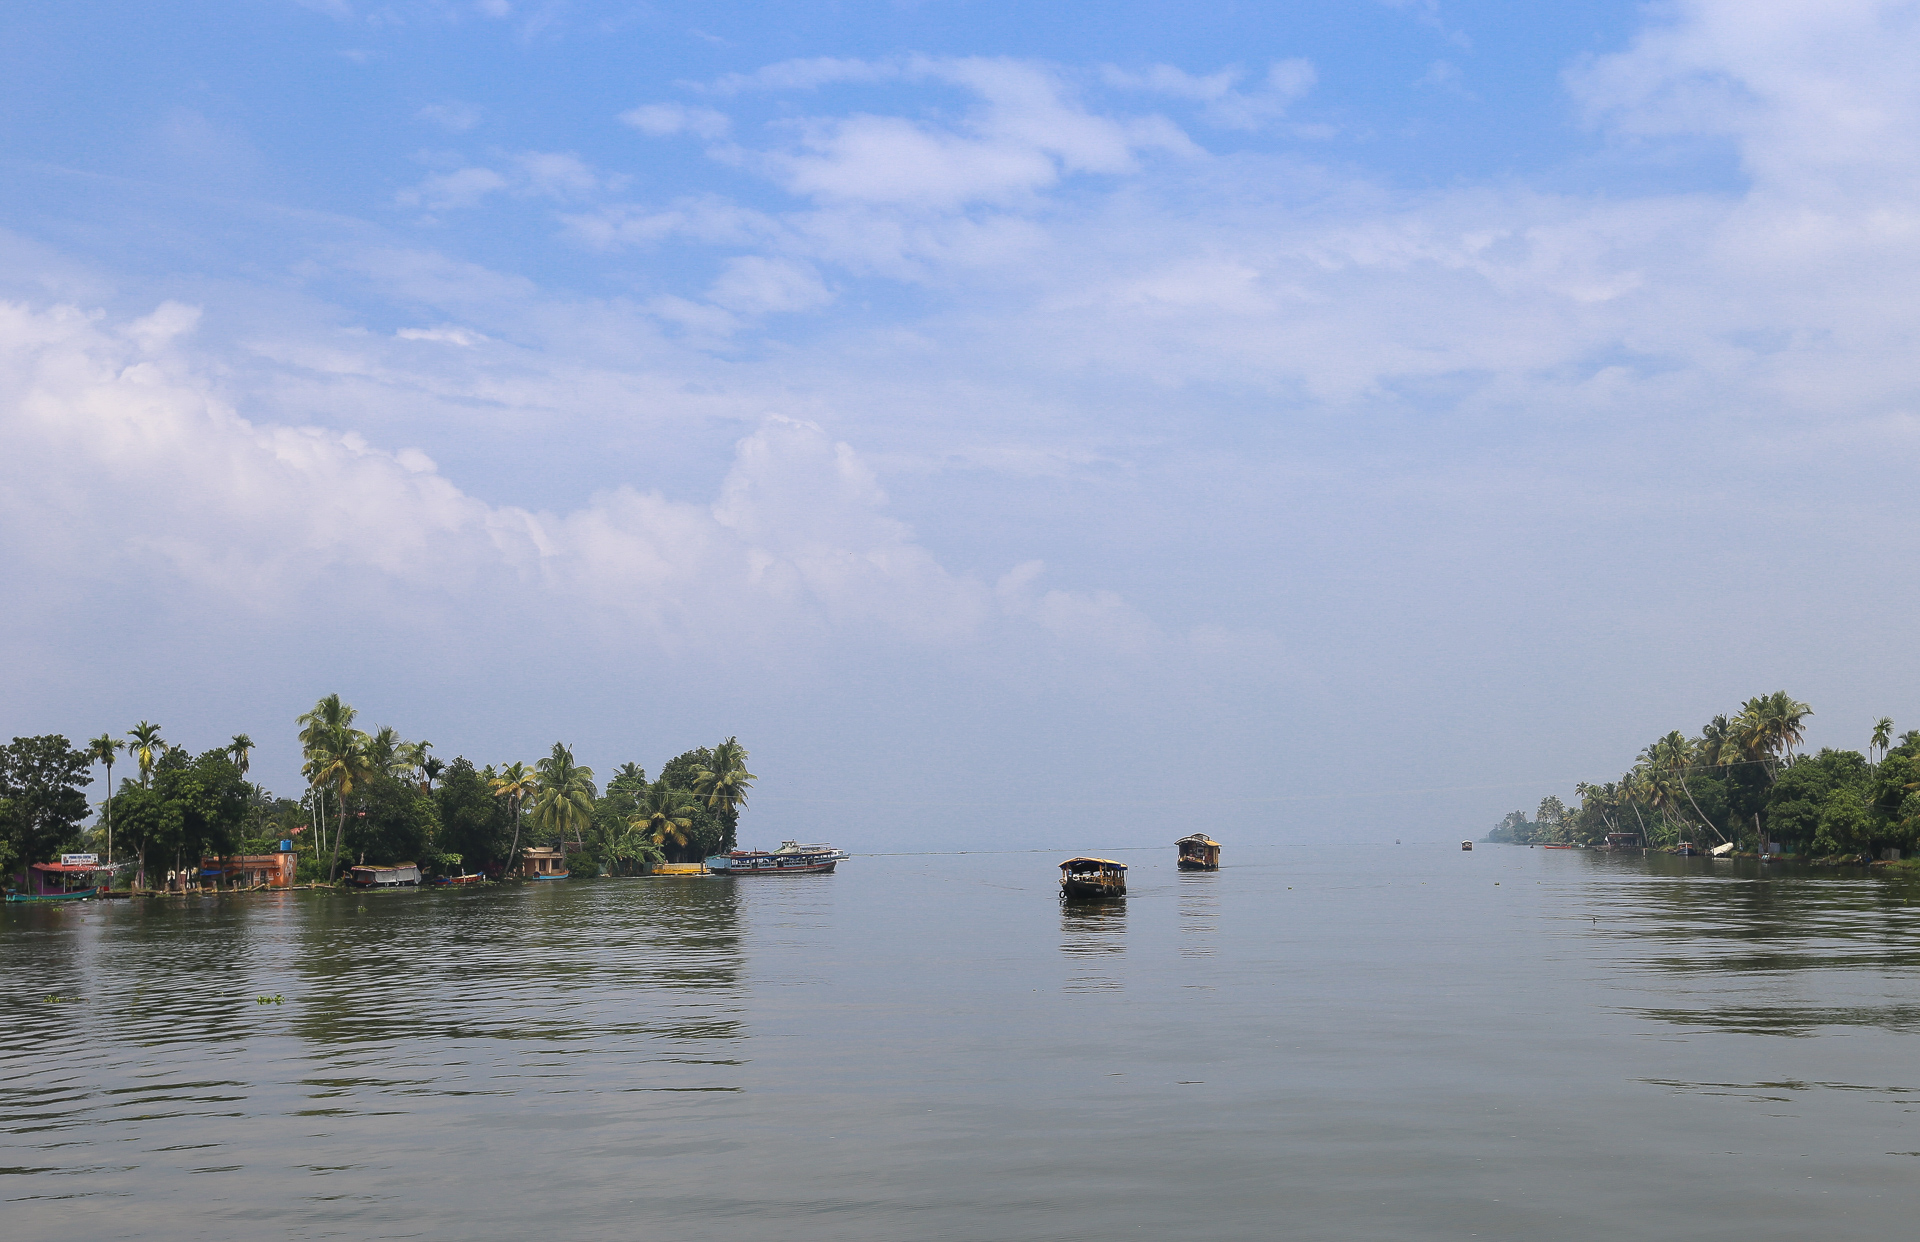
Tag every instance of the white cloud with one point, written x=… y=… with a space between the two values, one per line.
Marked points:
x=103 y=427
x=753 y=285
x=464 y=187
x=451 y=114
x=663 y=120
x=462 y=337
x=1285 y=82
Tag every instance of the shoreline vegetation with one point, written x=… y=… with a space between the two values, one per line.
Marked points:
x=1740 y=782
x=370 y=798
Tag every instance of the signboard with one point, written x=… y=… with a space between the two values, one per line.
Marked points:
x=79 y=860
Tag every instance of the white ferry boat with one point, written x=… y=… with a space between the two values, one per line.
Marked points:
x=792 y=858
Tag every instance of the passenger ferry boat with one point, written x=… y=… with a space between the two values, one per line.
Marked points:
x=791 y=858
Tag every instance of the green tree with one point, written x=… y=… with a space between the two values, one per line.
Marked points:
x=146 y=747
x=563 y=797
x=41 y=803
x=473 y=822
x=665 y=815
x=515 y=784
x=104 y=750
x=723 y=783
x=240 y=750
x=1882 y=736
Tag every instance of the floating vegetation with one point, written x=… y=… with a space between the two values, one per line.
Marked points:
x=268 y=1000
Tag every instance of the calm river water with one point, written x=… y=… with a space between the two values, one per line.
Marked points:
x=1397 y=1043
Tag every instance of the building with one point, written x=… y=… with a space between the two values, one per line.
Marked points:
x=542 y=860
x=273 y=870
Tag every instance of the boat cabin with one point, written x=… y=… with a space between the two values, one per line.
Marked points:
x=1623 y=840
x=1198 y=852
x=1093 y=877
x=400 y=875
x=1466 y=845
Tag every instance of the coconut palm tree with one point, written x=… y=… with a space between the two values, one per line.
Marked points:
x=145 y=746
x=1882 y=739
x=565 y=796
x=321 y=730
x=343 y=766
x=664 y=814
x=430 y=770
x=516 y=784
x=102 y=750
x=240 y=750
x=725 y=781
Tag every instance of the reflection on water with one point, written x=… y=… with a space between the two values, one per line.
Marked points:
x=1392 y=1044
x=1093 y=935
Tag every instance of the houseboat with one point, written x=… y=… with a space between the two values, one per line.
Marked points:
x=1093 y=877
x=1466 y=845
x=1198 y=852
x=400 y=875
x=792 y=858
x=1623 y=841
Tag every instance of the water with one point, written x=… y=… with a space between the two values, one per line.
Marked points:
x=1389 y=1043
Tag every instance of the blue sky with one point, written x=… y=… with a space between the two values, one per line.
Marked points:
x=1071 y=422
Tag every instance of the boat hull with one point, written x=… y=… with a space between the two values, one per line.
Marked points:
x=776 y=866
x=1196 y=864
x=1092 y=890
x=81 y=895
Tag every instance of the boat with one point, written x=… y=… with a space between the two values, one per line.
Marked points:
x=792 y=858
x=400 y=875
x=1198 y=852
x=78 y=894
x=1685 y=849
x=1093 y=877
x=1562 y=847
x=1466 y=845
x=551 y=875
x=73 y=878
x=444 y=881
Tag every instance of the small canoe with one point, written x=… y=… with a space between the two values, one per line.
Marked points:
x=80 y=894
x=553 y=875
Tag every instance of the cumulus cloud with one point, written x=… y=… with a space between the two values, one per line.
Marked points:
x=1224 y=102
x=120 y=447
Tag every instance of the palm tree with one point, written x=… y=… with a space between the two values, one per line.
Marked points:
x=430 y=770
x=725 y=781
x=1882 y=739
x=241 y=751
x=664 y=814
x=102 y=749
x=516 y=784
x=146 y=747
x=343 y=766
x=321 y=729
x=566 y=794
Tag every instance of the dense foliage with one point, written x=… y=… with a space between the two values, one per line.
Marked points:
x=370 y=797
x=1739 y=781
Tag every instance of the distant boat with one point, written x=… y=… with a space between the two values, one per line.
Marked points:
x=1466 y=845
x=1562 y=847
x=442 y=881
x=1093 y=877
x=792 y=858
x=1685 y=849
x=1198 y=852
x=56 y=881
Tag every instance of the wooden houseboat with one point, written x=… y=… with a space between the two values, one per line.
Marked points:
x=400 y=875
x=1198 y=852
x=1093 y=877
x=1466 y=845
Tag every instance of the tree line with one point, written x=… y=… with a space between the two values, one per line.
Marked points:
x=369 y=797
x=1740 y=781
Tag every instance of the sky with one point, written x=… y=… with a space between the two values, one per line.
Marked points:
x=1063 y=425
